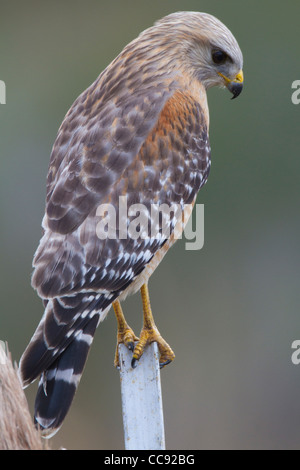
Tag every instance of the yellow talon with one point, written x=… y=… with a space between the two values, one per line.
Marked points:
x=150 y=333
x=125 y=334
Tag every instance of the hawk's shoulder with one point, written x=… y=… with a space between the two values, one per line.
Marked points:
x=99 y=138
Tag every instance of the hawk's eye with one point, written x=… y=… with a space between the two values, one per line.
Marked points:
x=219 y=57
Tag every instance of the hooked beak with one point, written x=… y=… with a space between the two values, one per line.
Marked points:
x=235 y=86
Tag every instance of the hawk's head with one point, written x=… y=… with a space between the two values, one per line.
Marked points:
x=206 y=47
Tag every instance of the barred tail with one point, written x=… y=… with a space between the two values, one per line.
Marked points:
x=58 y=351
x=59 y=382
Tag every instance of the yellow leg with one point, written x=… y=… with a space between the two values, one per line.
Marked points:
x=124 y=334
x=150 y=333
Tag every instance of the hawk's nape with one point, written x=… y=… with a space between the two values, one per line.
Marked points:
x=139 y=133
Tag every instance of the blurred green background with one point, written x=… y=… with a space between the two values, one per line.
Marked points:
x=231 y=310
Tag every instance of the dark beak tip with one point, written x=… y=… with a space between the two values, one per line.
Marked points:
x=236 y=89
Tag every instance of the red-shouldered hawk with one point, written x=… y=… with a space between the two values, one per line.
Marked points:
x=139 y=132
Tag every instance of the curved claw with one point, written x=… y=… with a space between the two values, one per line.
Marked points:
x=130 y=345
x=163 y=364
x=134 y=363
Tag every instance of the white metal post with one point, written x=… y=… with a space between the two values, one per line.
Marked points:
x=142 y=400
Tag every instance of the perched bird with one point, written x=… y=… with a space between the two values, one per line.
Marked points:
x=139 y=132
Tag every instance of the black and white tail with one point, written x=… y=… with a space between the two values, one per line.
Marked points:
x=57 y=353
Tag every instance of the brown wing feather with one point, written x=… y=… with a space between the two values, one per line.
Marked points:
x=99 y=138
